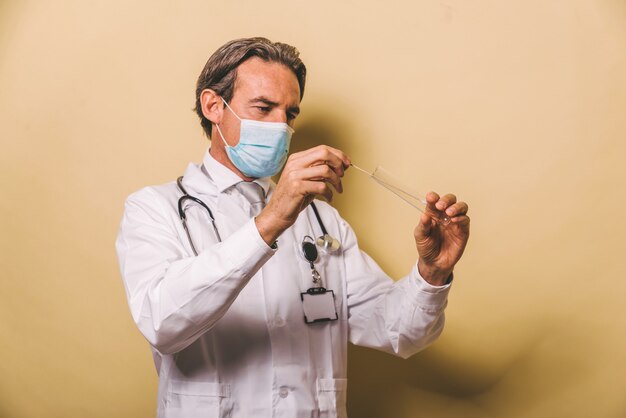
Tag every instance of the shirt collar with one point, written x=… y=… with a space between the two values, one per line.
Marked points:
x=225 y=178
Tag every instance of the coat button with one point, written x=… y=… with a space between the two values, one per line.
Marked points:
x=283 y=391
x=279 y=322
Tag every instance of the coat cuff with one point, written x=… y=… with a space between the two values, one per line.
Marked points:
x=425 y=294
x=246 y=249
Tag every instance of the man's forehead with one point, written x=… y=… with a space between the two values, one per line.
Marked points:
x=268 y=79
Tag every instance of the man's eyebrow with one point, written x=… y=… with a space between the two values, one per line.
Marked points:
x=268 y=102
x=263 y=100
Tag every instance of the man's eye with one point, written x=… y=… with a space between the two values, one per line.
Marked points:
x=264 y=109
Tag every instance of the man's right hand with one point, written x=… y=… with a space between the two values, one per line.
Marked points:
x=306 y=174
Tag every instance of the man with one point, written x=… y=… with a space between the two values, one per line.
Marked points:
x=246 y=316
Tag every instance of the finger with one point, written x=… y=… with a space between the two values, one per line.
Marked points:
x=445 y=201
x=431 y=199
x=457 y=209
x=424 y=227
x=339 y=169
x=463 y=220
x=340 y=156
x=320 y=173
x=322 y=154
x=318 y=188
x=307 y=188
x=331 y=161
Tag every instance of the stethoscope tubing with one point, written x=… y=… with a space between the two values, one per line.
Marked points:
x=319 y=218
x=183 y=216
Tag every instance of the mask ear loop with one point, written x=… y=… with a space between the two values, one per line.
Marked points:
x=218 y=126
x=221 y=136
x=230 y=108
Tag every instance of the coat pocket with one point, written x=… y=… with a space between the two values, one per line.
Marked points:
x=196 y=399
x=331 y=396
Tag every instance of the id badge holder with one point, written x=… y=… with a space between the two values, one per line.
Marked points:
x=318 y=302
x=319 y=305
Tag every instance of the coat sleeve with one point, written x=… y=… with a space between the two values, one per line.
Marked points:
x=175 y=298
x=400 y=317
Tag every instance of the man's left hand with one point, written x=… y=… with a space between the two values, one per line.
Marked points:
x=441 y=246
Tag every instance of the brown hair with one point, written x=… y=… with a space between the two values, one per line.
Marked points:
x=220 y=71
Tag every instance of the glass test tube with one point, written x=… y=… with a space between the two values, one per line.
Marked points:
x=395 y=186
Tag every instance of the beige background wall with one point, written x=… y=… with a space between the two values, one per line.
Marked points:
x=517 y=106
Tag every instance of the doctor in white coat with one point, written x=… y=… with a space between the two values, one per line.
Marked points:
x=223 y=303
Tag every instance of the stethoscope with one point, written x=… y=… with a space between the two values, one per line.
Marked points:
x=183 y=217
x=325 y=241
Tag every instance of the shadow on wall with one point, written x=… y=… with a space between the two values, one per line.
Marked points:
x=319 y=127
x=378 y=381
x=495 y=378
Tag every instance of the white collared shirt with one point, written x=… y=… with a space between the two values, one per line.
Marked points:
x=226 y=327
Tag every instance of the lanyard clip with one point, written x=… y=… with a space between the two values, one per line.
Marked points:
x=309 y=251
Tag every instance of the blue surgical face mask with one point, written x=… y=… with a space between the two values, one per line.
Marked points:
x=262 y=149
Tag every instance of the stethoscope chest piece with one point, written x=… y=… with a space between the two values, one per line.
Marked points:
x=325 y=241
x=328 y=243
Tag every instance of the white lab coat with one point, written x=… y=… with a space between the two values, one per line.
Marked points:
x=226 y=327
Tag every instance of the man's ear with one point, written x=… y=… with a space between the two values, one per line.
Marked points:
x=212 y=105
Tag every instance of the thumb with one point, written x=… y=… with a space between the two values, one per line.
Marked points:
x=423 y=228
